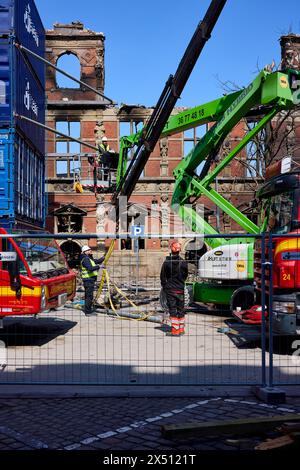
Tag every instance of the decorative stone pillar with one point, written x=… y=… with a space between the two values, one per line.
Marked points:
x=290 y=51
x=100 y=220
x=165 y=219
x=225 y=150
x=99 y=68
x=163 y=145
x=99 y=132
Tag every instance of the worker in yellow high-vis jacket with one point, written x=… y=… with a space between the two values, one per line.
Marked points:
x=89 y=268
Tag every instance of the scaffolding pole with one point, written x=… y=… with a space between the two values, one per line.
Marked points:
x=47 y=128
x=23 y=48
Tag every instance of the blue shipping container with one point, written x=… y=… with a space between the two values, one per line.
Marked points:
x=22 y=182
x=21 y=94
x=5 y=83
x=21 y=19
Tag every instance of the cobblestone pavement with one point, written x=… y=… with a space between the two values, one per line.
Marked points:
x=126 y=424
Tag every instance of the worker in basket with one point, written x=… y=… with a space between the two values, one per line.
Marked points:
x=107 y=161
x=174 y=272
x=89 y=268
x=104 y=146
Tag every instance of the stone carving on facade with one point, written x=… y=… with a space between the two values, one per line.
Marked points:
x=226 y=147
x=87 y=57
x=65 y=187
x=163 y=145
x=99 y=132
x=101 y=217
x=164 y=188
x=100 y=214
x=226 y=188
x=141 y=187
x=226 y=222
x=165 y=219
x=99 y=68
x=291 y=57
x=224 y=151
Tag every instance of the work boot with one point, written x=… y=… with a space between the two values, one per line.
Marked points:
x=181 y=326
x=175 y=325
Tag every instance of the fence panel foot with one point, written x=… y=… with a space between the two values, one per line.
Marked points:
x=270 y=395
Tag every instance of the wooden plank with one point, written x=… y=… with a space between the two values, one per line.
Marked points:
x=238 y=426
x=290 y=427
x=275 y=443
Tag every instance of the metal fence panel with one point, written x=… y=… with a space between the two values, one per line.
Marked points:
x=284 y=348
x=130 y=345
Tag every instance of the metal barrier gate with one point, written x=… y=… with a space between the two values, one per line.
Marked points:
x=127 y=342
x=283 y=349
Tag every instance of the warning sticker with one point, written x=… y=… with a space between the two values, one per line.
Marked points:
x=241 y=266
x=283 y=82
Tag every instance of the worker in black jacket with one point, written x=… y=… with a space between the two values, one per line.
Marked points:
x=89 y=270
x=173 y=275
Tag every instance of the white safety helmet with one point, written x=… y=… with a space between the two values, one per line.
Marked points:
x=85 y=248
x=104 y=138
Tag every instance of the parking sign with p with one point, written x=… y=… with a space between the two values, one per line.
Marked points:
x=137 y=231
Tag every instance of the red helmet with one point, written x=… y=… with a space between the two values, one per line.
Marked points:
x=175 y=247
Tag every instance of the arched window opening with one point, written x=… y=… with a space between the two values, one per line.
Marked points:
x=70 y=64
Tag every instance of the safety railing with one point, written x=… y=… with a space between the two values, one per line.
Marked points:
x=283 y=308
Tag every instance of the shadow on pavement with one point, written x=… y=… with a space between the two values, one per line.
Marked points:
x=249 y=337
x=33 y=332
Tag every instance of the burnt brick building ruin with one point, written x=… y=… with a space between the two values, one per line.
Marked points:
x=81 y=113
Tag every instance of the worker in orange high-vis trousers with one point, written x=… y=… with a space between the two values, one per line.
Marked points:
x=173 y=275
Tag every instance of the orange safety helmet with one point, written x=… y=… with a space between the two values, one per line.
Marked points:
x=175 y=247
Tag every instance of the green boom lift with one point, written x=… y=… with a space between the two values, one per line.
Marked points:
x=226 y=270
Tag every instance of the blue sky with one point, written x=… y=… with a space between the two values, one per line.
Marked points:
x=146 y=40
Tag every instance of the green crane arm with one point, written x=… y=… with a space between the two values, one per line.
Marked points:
x=272 y=90
x=267 y=94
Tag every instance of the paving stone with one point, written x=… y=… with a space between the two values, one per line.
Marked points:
x=100 y=445
x=151 y=445
x=35 y=419
x=124 y=446
x=111 y=441
x=137 y=448
x=183 y=447
x=152 y=438
x=16 y=445
x=203 y=447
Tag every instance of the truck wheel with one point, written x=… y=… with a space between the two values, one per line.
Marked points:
x=244 y=297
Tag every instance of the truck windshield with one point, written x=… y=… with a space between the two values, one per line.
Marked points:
x=42 y=255
x=281 y=213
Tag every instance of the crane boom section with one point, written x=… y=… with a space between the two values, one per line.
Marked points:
x=262 y=91
x=199 y=115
